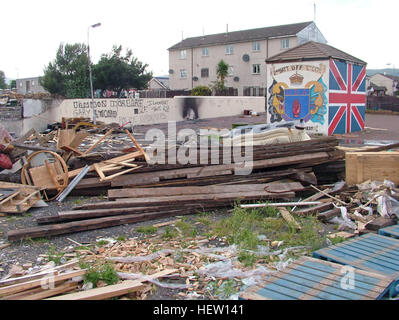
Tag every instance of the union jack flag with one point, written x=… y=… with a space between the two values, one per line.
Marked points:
x=347 y=97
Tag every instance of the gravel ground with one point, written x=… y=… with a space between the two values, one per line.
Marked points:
x=28 y=251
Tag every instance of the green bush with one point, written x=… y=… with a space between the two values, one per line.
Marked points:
x=201 y=91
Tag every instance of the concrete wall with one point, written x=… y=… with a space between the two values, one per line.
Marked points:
x=152 y=111
x=39 y=113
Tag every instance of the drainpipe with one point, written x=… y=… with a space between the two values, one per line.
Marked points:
x=192 y=68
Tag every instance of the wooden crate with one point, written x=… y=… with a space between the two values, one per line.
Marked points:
x=363 y=166
x=313 y=279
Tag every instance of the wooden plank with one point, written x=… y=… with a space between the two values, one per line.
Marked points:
x=362 y=166
x=288 y=217
x=112 y=291
x=314 y=209
x=138 y=146
x=35 y=283
x=211 y=189
x=103 y=293
x=98 y=141
x=66 y=287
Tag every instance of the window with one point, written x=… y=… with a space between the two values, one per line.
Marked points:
x=256 y=68
x=183 y=54
x=183 y=73
x=231 y=71
x=285 y=43
x=204 y=73
x=256 y=46
x=205 y=52
x=33 y=82
x=229 y=49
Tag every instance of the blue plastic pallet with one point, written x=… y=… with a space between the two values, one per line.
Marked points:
x=392 y=231
x=314 y=279
x=370 y=252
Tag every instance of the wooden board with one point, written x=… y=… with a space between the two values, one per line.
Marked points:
x=19 y=287
x=363 y=166
x=313 y=279
x=212 y=189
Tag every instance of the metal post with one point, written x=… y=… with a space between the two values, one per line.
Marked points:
x=90 y=76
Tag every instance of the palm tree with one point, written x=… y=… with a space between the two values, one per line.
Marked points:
x=221 y=71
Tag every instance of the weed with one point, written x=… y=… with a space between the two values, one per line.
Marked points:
x=187 y=229
x=121 y=238
x=95 y=273
x=147 y=230
x=336 y=240
x=78 y=201
x=247 y=259
x=102 y=243
x=169 y=233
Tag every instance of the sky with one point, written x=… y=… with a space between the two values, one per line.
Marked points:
x=31 y=31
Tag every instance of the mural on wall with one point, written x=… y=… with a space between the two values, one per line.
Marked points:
x=298 y=91
x=347 y=97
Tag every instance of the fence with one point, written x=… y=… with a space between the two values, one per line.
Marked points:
x=382 y=103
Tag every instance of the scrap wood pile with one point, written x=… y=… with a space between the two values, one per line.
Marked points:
x=366 y=207
x=160 y=191
x=191 y=266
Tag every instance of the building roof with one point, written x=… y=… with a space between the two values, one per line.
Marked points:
x=395 y=78
x=241 y=36
x=376 y=87
x=313 y=51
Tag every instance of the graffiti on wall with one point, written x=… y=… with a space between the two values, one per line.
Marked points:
x=123 y=111
x=298 y=91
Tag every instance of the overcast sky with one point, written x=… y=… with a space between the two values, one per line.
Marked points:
x=31 y=31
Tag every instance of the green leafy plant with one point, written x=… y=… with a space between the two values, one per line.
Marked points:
x=201 y=91
x=147 y=230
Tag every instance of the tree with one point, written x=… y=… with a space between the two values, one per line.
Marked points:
x=13 y=84
x=116 y=72
x=68 y=74
x=3 y=84
x=222 y=71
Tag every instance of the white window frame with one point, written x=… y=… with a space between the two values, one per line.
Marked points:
x=183 y=54
x=256 y=46
x=230 y=72
x=183 y=74
x=229 y=49
x=285 y=43
x=205 y=52
x=256 y=68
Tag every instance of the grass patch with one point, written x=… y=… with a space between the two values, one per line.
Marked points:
x=96 y=272
x=147 y=230
x=121 y=238
x=247 y=259
x=187 y=229
x=244 y=225
x=169 y=233
x=102 y=242
x=78 y=201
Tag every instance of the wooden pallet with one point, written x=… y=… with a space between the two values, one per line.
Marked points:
x=392 y=231
x=17 y=198
x=370 y=252
x=313 y=279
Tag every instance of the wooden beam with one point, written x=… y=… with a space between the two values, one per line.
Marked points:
x=103 y=293
x=288 y=217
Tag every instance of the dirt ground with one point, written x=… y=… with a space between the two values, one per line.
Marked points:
x=380 y=129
